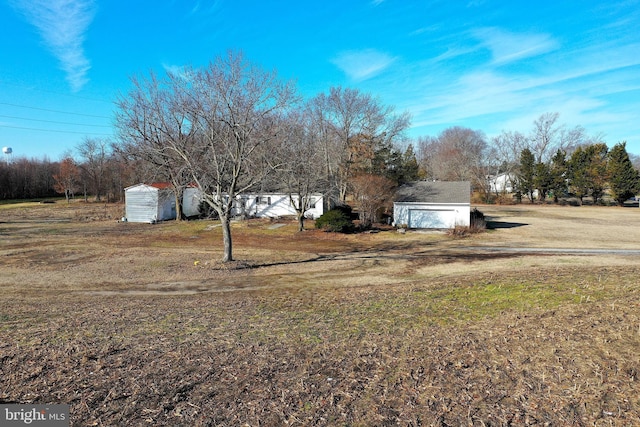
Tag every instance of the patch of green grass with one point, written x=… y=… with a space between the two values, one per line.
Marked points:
x=5 y=317
x=314 y=320
x=489 y=300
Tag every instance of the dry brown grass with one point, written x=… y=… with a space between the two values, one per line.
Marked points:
x=133 y=324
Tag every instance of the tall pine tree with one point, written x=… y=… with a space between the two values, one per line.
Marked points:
x=624 y=178
x=527 y=173
x=558 y=171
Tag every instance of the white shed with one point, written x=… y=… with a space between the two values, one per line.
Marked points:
x=150 y=203
x=434 y=205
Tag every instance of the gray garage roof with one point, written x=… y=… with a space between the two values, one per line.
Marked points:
x=435 y=192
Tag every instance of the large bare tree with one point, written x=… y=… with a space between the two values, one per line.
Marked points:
x=213 y=125
x=155 y=127
x=548 y=136
x=300 y=171
x=456 y=154
x=238 y=109
x=346 y=117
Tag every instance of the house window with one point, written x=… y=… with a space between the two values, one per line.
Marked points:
x=312 y=203
x=263 y=200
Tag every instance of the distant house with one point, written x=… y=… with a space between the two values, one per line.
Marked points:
x=435 y=205
x=150 y=202
x=501 y=183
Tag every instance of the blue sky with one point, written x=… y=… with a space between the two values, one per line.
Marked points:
x=483 y=64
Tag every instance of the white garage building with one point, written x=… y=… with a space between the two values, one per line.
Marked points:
x=435 y=205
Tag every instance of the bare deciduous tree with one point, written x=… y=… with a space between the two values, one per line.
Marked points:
x=94 y=153
x=238 y=109
x=548 y=136
x=504 y=158
x=347 y=117
x=301 y=168
x=212 y=125
x=155 y=127
x=66 y=180
x=457 y=154
x=373 y=195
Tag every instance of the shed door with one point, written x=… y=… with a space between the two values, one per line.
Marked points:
x=427 y=218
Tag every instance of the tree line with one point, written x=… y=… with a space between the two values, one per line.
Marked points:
x=96 y=171
x=552 y=161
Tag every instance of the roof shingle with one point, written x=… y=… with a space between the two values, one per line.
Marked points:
x=435 y=192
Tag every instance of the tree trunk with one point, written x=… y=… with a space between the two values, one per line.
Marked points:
x=300 y=220
x=178 y=207
x=226 y=238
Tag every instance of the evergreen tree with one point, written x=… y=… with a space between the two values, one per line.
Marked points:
x=558 y=171
x=386 y=162
x=542 y=180
x=597 y=172
x=527 y=173
x=577 y=171
x=624 y=178
x=588 y=171
x=410 y=167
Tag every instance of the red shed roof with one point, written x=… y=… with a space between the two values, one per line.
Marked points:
x=161 y=185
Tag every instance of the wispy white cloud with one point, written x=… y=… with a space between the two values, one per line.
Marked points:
x=425 y=30
x=180 y=71
x=508 y=47
x=455 y=52
x=363 y=64
x=63 y=25
x=582 y=84
x=207 y=9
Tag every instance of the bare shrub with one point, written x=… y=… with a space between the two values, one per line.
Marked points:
x=477 y=224
x=477 y=221
x=505 y=199
x=478 y=197
x=459 y=231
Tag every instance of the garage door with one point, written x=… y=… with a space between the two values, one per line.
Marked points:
x=426 y=218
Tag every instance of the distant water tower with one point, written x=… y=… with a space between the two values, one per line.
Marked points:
x=7 y=151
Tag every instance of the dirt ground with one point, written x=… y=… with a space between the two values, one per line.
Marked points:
x=137 y=324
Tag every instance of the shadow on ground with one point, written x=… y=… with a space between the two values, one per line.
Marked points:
x=494 y=225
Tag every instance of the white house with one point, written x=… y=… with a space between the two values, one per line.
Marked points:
x=434 y=205
x=191 y=201
x=501 y=183
x=156 y=202
x=273 y=205
x=149 y=203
